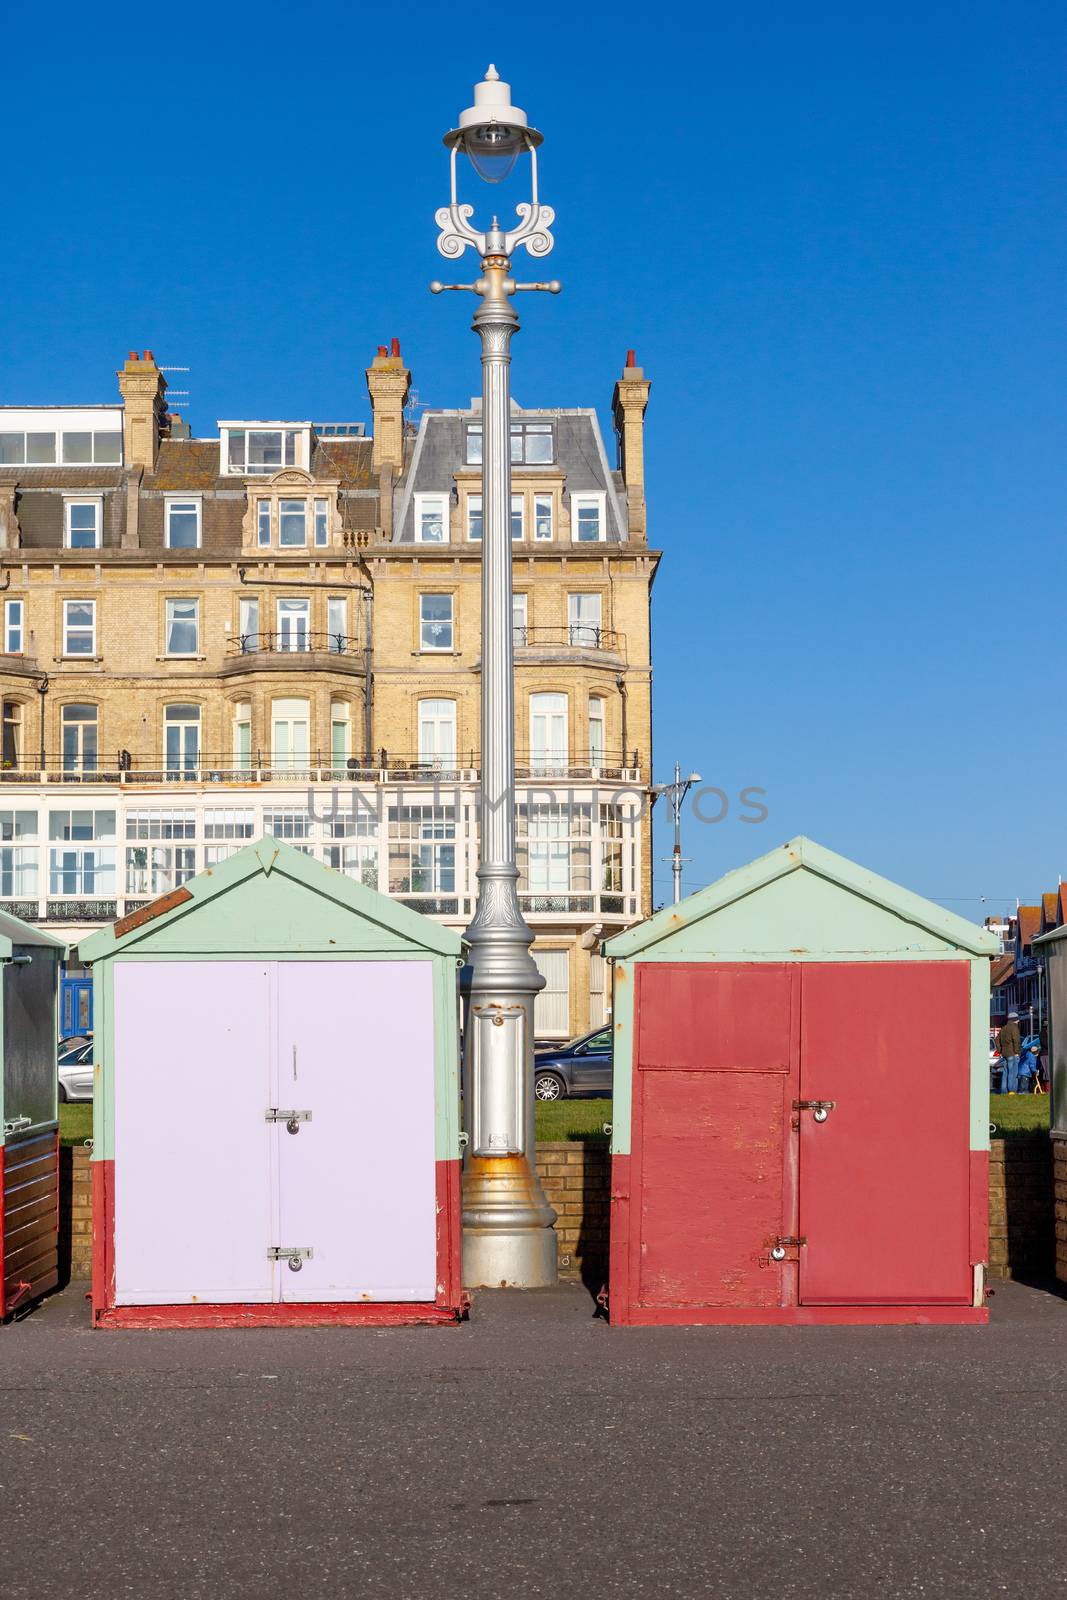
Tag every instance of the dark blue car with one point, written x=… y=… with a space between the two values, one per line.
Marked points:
x=582 y=1067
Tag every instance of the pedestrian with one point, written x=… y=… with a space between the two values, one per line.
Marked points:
x=1009 y=1043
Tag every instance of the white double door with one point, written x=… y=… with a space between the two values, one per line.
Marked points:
x=211 y=1194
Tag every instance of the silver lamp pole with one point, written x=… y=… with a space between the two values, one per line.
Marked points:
x=677 y=791
x=507 y=1222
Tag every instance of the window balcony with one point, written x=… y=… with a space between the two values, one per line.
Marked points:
x=574 y=641
x=294 y=650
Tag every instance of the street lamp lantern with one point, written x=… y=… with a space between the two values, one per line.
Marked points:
x=493 y=132
x=507 y=1222
x=677 y=791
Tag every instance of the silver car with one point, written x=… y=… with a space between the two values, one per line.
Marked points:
x=76 y=1070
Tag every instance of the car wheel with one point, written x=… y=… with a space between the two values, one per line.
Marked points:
x=62 y=1095
x=547 y=1086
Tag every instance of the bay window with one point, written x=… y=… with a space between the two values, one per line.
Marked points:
x=10 y=733
x=289 y=733
x=596 y=731
x=554 y=848
x=292 y=523
x=437 y=733
x=548 y=733
x=583 y=619
x=422 y=850
x=78 y=725
x=242 y=735
x=181 y=739
x=81 y=857
x=18 y=855
x=294 y=618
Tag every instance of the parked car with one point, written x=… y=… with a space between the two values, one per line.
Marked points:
x=75 y=1067
x=582 y=1067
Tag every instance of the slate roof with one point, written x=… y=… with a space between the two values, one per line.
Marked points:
x=440 y=450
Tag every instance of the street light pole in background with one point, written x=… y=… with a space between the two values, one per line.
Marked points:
x=507 y=1222
x=677 y=791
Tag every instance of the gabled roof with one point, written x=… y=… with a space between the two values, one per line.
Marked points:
x=262 y=859
x=14 y=931
x=798 y=855
x=1050 y=905
x=1029 y=921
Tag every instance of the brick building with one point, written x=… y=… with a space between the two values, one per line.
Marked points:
x=278 y=628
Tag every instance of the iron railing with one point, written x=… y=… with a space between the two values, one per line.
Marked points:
x=294 y=641
x=130 y=769
x=574 y=636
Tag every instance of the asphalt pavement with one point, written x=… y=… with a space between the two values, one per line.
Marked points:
x=535 y=1452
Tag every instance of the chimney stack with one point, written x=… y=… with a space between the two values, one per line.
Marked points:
x=628 y=404
x=142 y=387
x=388 y=381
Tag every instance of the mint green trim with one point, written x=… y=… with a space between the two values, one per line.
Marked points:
x=623 y=1046
x=382 y=923
x=980 y=1054
x=921 y=926
x=446 y=1058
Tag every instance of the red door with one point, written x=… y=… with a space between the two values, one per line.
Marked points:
x=713 y=1152
x=884 y=1179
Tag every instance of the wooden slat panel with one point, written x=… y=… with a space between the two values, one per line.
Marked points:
x=37 y=1250
x=28 y=1171
x=31 y=1191
x=43 y=1227
x=44 y=1275
x=18 y=1216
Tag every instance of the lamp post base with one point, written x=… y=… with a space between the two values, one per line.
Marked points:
x=508 y=1238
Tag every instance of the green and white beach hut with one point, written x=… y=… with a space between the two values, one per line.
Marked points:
x=276 y=1134
x=801 y=1102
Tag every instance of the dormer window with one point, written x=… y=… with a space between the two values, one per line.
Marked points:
x=253 y=450
x=532 y=444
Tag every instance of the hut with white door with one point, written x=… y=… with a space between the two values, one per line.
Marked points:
x=276 y=1134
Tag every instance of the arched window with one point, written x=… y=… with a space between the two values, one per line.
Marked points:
x=548 y=733
x=596 y=731
x=340 y=733
x=181 y=739
x=437 y=733
x=289 y=733
x=80 y=738
x=242 y=735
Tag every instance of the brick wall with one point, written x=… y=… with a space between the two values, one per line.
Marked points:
x=1020 y=1207
x=75 y=1214
x=1027 y=1226
x=577 y=1180
x=1059 y=1158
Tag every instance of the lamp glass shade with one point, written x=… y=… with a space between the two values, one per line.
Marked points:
x=493 y=148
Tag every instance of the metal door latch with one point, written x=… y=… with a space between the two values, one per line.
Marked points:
x=296 y=1255
x=292 y=1119
x=820 y=1109
x=16 y=1124
x=780 y=1246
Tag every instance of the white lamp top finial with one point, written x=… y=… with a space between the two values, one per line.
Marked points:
x=492 y=76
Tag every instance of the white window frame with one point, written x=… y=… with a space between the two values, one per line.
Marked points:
x=169 y=620
x=97 y=503
x=597 y=718
x=581 y=501
x=337 y=623
x=437 y=622
x=182 y=502
x=296 y=607
x=81 y=627
x=79 y=758
x=179 y=765
x=242 y=734
x=320 y=520
x=340 y=721
x=14 y=627
x=248 y=612
x=518 y=504
x=291 y=501
x=301 y=447
x=283 y=714
x=552 y=1004
x=264 y=524
x=435 y=506
x=553 y=756
x=520 y=618
x=474 y=503
x=544 y=503
x=585 y=633
x=437 y=721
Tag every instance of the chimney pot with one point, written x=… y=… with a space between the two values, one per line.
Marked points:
x=383 y=350
x=394 y=348
x=631 y=358
x=133 y=355
x=148 y=356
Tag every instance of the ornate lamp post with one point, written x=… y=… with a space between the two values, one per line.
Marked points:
x=507 y=1222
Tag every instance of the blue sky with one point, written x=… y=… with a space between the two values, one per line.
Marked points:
x=835 y=236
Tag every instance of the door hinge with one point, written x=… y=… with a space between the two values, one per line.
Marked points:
x=296 y=1255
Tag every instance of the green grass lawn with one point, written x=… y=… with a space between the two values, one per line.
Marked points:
x=76 y=1122
x=573 y=1119
x=1019 y=1113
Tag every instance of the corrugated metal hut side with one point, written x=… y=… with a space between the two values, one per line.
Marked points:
x=801 y=1103
x=1052 y=947
x=29 y=1129
x=345 y=1143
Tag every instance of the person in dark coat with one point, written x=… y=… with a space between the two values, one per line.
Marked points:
x=1009 y=1043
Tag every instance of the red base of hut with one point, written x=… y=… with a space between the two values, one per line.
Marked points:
x=445 y=1309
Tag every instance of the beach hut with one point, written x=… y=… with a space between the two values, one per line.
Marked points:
x=801 y=1103
x=1052 y=947
x=276 y=1120
x=29 y=1131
